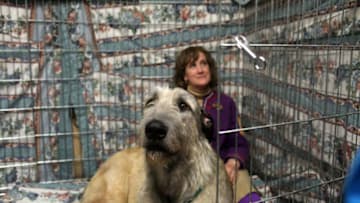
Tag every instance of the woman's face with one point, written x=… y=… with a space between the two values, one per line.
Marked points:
x=197 y=73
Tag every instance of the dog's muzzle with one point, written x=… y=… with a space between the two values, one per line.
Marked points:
x=155 y=130
x=155 y=144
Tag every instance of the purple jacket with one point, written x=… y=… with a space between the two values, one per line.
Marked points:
x=229 y=148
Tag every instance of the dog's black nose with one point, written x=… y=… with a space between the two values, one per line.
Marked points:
x=155 y=130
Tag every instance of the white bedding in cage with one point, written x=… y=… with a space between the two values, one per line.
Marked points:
x=69 y=192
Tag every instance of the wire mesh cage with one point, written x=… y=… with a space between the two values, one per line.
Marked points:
x=74 y=75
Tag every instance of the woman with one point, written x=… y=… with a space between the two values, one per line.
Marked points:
x=195 y=71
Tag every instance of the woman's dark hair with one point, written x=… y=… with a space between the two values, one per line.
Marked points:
x=189 y=55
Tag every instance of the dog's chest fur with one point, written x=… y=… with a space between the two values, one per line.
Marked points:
x=180 y=182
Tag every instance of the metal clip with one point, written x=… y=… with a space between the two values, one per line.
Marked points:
x=242 y=43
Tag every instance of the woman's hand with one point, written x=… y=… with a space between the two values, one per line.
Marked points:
x=232 y=167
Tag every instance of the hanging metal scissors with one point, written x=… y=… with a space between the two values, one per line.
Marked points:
x=242 y=43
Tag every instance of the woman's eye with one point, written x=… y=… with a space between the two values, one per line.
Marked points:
x=204 y=63
x=192 y=65
x=183 y=106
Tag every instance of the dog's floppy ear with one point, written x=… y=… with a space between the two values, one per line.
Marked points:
x=207 y=125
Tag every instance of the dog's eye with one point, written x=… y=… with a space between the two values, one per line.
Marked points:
x=183 y=106
x=149 y=103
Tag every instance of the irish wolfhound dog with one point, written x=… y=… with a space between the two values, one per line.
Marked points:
x=175 y=164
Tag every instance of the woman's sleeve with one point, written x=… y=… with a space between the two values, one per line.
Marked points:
x=235 y=145
x=352 y=181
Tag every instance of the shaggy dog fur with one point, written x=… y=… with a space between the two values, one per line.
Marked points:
x=175 y=164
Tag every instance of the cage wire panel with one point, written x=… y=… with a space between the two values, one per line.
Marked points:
x=74 y=75
x=302 y=111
